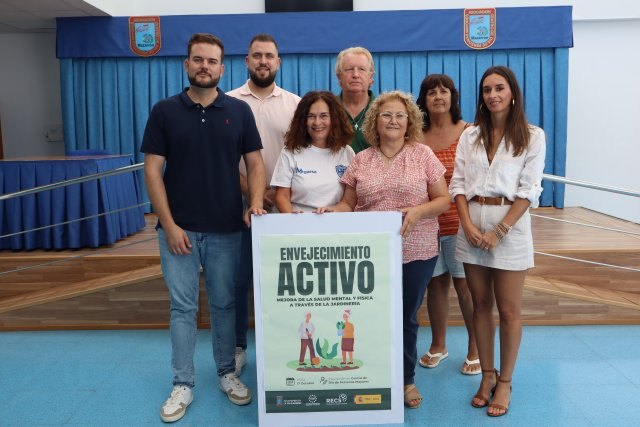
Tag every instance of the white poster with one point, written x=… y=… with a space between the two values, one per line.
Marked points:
x=328 y=318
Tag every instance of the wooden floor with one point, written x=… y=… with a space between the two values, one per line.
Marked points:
x=121 y=286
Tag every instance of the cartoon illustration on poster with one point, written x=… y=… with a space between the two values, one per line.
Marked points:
x=326 y=320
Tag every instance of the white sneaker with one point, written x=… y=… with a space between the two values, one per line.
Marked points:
x=241 y=360
x=237 y=392
x=176 y=405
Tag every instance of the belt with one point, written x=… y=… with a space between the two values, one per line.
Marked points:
x=496 y=201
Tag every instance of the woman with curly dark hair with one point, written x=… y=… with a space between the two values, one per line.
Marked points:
x=315 y=155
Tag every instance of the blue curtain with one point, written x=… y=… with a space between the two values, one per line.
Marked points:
x=106 y=101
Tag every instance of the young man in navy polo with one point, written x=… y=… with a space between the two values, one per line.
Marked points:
x=198 y=137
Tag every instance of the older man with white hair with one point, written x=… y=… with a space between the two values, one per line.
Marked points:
x=355 y=69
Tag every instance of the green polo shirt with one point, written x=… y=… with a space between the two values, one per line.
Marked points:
x=359 y=143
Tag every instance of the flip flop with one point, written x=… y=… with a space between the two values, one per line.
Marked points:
x=430 y=365
x=468 y=362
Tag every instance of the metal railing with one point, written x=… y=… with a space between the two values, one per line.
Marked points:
x=66 y=183
x=140 y=166
x=592 y=185
x=79 y=180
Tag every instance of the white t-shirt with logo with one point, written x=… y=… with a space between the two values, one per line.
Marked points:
x=313 y=175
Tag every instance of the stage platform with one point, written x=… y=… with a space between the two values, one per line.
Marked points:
x=121 y=286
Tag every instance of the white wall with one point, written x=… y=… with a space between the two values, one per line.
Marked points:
x=173 y=7
x=604 y=90
x=582 y=9
x=604 y=111
x=29 y=94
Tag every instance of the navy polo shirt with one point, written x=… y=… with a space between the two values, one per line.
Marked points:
x=202 y=147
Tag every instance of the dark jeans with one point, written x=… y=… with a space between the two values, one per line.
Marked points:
x=244 y=280
x=415 y=278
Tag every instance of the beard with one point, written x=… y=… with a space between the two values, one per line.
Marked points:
x=262 y=81
x=208 y=84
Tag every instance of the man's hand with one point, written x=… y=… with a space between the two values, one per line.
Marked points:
x=253 y=210
x=178 y=241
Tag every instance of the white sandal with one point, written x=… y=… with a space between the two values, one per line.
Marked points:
x=431 y=364
x=468 y=363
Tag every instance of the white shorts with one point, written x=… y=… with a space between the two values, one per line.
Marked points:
x=515 y=252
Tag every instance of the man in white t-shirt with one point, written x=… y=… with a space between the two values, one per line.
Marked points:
x=273 y=108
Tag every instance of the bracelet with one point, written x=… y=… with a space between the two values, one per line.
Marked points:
x=504 y=228
x=501 y=229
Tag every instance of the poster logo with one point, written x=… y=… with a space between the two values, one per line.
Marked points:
x=144 y=35
x=368 y=399
x=479 y=27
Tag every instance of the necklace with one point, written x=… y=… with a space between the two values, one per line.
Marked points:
x=394 y=156
x=357 y=121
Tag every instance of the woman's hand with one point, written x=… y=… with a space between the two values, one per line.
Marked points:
x=489 y=241
x=347 y=204
x=473 y=234
x=410 y=217
x=324 y=209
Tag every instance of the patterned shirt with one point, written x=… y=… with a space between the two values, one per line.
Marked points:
x=450 y=220
x=401 y=184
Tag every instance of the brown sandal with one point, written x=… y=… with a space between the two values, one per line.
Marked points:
x=411 y=396
x=497 y=405
x=485 y=399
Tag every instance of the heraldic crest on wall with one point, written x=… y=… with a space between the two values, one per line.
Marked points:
x=479 y=27
x=144 y=35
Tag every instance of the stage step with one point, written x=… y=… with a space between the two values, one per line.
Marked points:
x=30 y=272
x=583 y=292
x=72 y=290
x=123 y=287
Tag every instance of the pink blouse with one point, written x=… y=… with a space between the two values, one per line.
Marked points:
x=402 y=184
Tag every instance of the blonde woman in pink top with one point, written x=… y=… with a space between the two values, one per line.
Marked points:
x=398 y=173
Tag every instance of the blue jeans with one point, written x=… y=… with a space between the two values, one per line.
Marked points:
x=218 y=255
x=244 y=279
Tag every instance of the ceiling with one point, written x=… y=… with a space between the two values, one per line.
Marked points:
x=39 y=16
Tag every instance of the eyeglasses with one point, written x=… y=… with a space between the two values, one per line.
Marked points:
x=388 y=115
